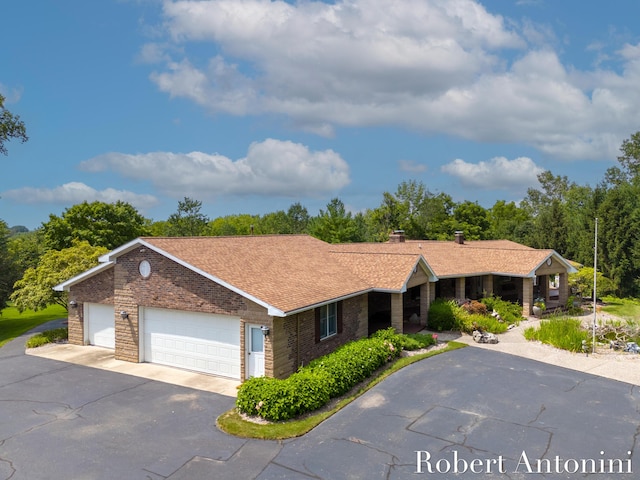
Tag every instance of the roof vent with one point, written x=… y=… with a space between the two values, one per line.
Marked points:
x=397 y=236
x=459 y=237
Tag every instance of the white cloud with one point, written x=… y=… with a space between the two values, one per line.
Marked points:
x=499 y=173
x=76 y=192
x=412 y=166
x=440 y=66
x=271 y=167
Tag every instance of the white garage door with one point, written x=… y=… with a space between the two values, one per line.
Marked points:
x=100 y=321
x=195 y=341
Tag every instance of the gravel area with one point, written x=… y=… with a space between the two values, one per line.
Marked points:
x=606 y=362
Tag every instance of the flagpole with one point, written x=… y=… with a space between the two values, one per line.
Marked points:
x=595 y=277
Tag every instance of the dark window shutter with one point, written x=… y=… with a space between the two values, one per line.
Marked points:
x=339 y=315
x=317 y=322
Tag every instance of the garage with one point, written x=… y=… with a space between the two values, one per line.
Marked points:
x=201 y=342
x=100 y=320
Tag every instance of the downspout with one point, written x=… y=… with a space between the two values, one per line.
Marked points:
x=297 y=341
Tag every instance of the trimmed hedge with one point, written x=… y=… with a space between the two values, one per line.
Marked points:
x=314 y=385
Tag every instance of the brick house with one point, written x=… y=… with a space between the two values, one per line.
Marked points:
x=264 y=305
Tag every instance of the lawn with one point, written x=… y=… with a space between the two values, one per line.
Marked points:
x=13 y=323
x=627 y=308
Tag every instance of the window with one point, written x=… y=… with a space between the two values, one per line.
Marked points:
x=328 y=320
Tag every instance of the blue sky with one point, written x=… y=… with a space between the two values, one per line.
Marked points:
x=250 y=106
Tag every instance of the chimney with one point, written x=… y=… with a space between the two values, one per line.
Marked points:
x=397 y=236
x=459 y=237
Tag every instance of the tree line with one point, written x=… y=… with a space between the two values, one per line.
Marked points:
x=559 y=215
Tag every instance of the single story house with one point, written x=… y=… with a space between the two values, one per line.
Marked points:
x=264 y=305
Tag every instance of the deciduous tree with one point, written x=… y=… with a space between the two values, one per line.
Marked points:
x=35 y=289
x=101 y=224
x=10 y=127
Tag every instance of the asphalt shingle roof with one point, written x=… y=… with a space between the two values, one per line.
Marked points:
x=291 y=272
x=448 y=259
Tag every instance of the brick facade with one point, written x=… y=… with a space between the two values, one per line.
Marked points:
x=294 y=338
x=291 y=340
x=97 y=289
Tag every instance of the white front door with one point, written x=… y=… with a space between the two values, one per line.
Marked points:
x=254 y=340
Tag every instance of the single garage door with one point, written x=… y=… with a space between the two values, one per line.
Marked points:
x=195 y=341
x=100 y=321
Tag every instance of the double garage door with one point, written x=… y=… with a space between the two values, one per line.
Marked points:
x=194 y=341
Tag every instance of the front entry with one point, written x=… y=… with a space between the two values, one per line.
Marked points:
x=254 y=341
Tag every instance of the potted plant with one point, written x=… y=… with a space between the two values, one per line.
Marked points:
x=539 y=306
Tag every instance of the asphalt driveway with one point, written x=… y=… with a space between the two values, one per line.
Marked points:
x=60 y=420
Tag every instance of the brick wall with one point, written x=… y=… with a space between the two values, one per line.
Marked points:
x=290 y=343
x=97 y=289
x=294 y=338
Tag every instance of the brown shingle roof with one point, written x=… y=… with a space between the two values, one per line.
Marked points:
x=448 y=259
x=295 y=272
x=288 y=272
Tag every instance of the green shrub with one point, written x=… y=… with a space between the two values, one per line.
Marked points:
x=561 y=332
x=510 y=312
x=355 y=361
x=470 y=322
x=442 y=315
x=37 y=341
x=310 y=390
x=324 y=378
x=266 y=397
x=49 y=336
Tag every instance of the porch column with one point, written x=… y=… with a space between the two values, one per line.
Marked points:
x=487 y=285
x=425 y=301
x=527 y=297
x=563 y=289
x=460 y=288
x=396 y=312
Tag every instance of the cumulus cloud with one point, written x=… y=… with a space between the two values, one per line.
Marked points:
x=77 y=192
x=272 y=167
x=499 y=173
x=437 y=66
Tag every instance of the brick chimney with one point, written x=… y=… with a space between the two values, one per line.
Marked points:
x=459 y=237
x=397 y=236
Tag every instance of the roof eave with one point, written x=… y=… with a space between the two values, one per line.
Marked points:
x=325 y=302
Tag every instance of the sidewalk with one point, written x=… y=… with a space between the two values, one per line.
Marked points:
x=621 y=366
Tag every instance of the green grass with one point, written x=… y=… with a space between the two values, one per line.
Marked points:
x=13 y=323
x=560 y=332
x=627 y=308
x=232 y=423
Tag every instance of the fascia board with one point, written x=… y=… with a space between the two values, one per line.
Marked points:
x=326 y=302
